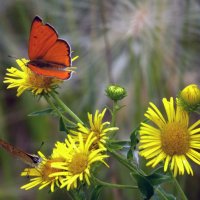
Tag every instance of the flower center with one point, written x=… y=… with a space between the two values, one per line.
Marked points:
x=40 y=81
x=79 y=163
x=47 y=169
x=175 y=139
x=98 y=139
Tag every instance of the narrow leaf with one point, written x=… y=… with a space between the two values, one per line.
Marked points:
x=41 y=112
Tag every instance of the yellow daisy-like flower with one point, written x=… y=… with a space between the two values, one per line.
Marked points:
x=79 y=159
x=97 y=127
x=171 y=140
x=24 y=79
x=41 y=174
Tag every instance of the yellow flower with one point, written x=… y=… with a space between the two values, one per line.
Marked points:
x=170 y=140
x=24 y=79
x=97 y=127
x=41 y=174
x=189 y=97
x=79 y=160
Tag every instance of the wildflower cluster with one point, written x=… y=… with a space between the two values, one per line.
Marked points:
x=169 y=139
x=72 y=161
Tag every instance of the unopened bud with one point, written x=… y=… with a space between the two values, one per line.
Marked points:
x=115 y=92
x=189 y=97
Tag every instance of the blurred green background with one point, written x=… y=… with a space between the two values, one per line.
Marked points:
x=149 y=47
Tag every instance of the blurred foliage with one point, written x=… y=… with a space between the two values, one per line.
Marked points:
x=150 y=47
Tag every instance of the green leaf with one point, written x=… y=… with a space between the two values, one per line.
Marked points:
x=162 y=195
x=118 y=145
x=96 y=192
x=133 y=143
x=41 y=112
x=158 y=177
x=134 y=138
x=144 y=185
x=122 y=143
x=62 y=126
x=130 y=155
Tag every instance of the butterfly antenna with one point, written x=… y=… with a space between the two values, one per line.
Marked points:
x=42 y=143
x=13 y=57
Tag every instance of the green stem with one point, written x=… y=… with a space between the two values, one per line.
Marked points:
x=58 y=112
x=114 y=112
x=183 y=197
x=64 y=107
x=114 y=185
x=159 y=191
x=124 y=161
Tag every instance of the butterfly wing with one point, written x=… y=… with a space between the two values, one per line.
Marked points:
x=51 y=72
x=59 y=53
x=42 y=37
x=49 y=56
x=29 y=159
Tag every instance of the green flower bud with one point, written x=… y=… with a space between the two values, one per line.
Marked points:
x=189 y=97
x=115 y=92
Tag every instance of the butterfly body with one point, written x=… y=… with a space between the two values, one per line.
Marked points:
x=49 y=55
x=46 y=65
x=30 y=159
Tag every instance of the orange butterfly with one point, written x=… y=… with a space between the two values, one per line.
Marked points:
x=49 y=55
x=30 y=159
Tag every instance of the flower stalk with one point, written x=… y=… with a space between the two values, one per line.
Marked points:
x=61 y=104
x=182 y=194
x=111 y=185
x=123 y=161
x=115 y=108
x=58 y=111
